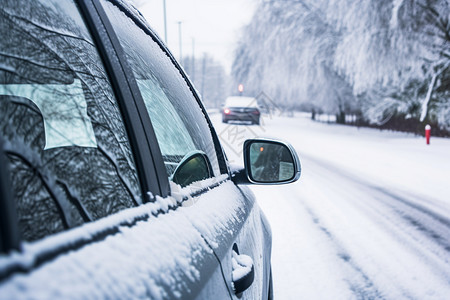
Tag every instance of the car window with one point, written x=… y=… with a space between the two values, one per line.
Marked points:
x=179 y=123
x=68 y=151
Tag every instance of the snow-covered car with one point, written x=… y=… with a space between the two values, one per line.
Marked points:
x=113 y=183
x=239 y=108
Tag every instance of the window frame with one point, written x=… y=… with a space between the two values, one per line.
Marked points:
x=138 y=126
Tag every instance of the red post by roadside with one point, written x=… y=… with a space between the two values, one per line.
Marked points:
x=428 y=133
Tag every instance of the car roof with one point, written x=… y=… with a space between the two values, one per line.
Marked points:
x=238 y=101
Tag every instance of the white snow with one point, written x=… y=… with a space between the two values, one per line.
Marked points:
x=368 y=219
x=242 y=265
x=241 y=102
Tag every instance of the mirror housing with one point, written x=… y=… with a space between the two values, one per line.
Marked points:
x=268 y=162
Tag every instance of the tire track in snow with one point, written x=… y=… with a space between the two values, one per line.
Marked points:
x=335 y=264
x=361 y=285
x=433 y=225
x=404 y=217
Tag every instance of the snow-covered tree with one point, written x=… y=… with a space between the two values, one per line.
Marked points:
x=209 y=77
x=287 y=52
x=393 y=44
x=380 y=56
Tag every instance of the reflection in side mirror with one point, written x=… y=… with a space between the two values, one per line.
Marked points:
x=268 y=162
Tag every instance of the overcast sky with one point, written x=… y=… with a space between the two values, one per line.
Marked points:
x=213 y=26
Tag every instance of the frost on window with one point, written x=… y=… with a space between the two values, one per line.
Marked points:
x=174 y=139
x=68 y=151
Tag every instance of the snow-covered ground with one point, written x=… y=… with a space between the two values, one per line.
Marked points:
x=368 y=219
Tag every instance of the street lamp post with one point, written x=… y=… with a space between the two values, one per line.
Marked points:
x=165 y=22
x=179 y=38
x=193 y=60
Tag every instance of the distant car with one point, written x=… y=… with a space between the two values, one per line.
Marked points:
x=113 y=182
x=241 y=109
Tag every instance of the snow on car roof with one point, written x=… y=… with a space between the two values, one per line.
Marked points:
x=238 y=101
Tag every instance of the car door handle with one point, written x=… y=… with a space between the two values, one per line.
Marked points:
x=243 y=272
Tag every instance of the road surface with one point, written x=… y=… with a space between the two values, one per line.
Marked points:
x=369 y=218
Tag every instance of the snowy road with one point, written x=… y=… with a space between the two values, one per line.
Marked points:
x=369 y=219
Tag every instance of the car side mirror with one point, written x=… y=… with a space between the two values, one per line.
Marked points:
x=268 y=162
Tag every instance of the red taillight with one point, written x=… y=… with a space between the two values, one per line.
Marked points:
x=256 y=112
x=226 y=111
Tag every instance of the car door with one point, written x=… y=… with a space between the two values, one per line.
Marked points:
x=226 y=215
x=81 y=201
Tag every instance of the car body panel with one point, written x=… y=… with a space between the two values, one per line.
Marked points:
x=230 y=216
